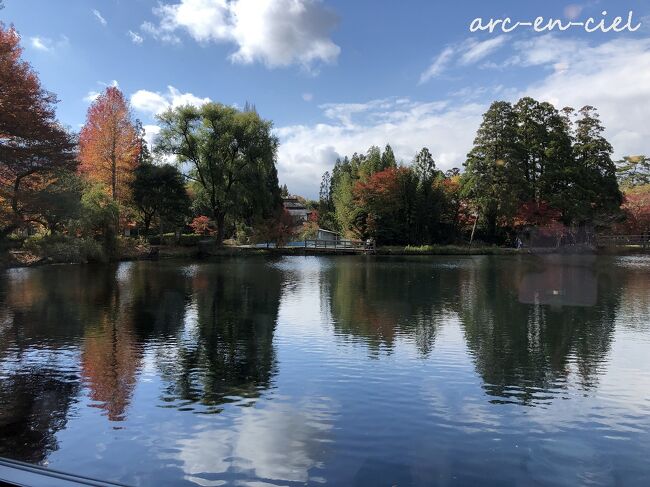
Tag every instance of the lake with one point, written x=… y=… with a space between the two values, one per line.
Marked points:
x=407 y=371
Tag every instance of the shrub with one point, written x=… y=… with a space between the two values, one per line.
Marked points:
x=244 y=234
x=132 y=247
x=203 y=225
x=66 y=249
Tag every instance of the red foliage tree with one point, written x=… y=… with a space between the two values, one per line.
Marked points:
x=278 y=229
x=109 y=144
x=33 y=146
x=202 y=225
x=636 y=205
x=382 y=205
x=532 y=213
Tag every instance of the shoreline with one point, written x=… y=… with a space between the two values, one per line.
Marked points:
x=9 y=260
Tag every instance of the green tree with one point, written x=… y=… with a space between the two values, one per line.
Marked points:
x=388 y=158
x=371 y=163
x=595 y=194
x=99 y=214
x=544 y=147
x=429 y=197
x=159 y=192
x=59 y=202
x=144 y=155
x=633 y=171
x=344 y=205
x=232 y=154
x=326 y=212
x=492 y=175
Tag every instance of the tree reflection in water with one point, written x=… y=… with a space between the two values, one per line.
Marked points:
x=529 y=325
x=528 y=322
x=225 y=349
x=197 y=337
x=391 y=299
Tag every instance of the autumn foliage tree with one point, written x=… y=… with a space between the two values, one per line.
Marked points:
x=34 y=148
x=383 y=205
x=636 y=207
x=109 y=144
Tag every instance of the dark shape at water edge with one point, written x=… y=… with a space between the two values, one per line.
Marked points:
x=33 y=407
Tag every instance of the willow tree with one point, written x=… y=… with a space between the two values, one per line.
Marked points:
x=231 y=155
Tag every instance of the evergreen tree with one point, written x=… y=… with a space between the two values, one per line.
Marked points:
x=388 y=158
x=144 y=156
x=633 y=171
x=596 y=192
x=428 y=197
x=491 y=175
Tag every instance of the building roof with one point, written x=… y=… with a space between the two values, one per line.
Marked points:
x=328 y=231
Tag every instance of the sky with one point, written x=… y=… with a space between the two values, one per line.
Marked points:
x=337 y=76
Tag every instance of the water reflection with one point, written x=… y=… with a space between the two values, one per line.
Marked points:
x=226 y=345
x=531 y=326
x=391 y=298
x=34 y=406
x=305 y=370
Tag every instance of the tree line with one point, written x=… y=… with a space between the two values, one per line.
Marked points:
x=214 y=163
x=212 y=170
x=531 y=166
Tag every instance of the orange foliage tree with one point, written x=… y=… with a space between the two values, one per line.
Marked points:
x=33 y=146
x=109 y=144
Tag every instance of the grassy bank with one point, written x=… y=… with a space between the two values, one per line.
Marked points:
x=444 y=250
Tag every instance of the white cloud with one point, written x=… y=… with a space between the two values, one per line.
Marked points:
x=306 y=151
x=135 y=37
x=274 y=32
x=100 y=17
x=439 y=64
x=46 y=44
x=572 y=11
x=475 y=51
x=155 y=103
x=150 y=133
x=91 y=96
x=613 y=76
x=468 y=52
x=307 y=96
x=40 y=43
x=94 y=94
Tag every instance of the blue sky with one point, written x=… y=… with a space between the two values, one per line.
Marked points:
x=339 y=76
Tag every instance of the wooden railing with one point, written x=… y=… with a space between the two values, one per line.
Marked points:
x=351 y=245
x=623 y=240
x=317 y=245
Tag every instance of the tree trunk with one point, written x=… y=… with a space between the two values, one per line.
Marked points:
x=147 y=225
x=220 y=218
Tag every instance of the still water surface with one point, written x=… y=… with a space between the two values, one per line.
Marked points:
x=446 y=371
